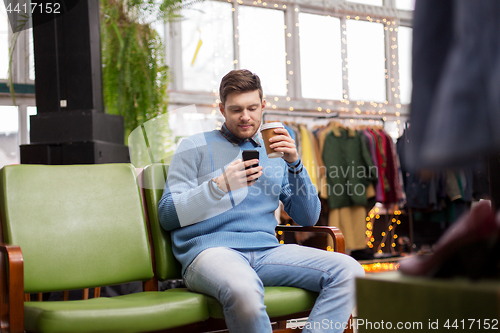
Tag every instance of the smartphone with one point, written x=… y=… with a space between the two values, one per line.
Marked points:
x=250 y=155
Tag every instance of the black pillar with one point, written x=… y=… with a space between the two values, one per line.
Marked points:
x=494 y=176
x=70 y=126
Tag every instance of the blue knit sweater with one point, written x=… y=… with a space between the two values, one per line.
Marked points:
x=200 y=215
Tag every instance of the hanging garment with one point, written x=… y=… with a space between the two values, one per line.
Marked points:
x=380 y=167
x=321 y=135
x=401 y=192
x=455 y=108
x=352 y=222
x=397 y=177
x=437 y=191
x=371 y=194
x=393 y=192
x=390 y=171
x=307 y=155
x=383 y=153
x=320 y=167
x=481 y=181
x=416 y=189
x=453 y=190
x=349 y=169
x=298 y=140
x=379 y=195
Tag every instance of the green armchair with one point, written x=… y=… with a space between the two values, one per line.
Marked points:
x=79 y=226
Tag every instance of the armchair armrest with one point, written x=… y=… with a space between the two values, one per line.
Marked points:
x=12 y=289
x=334 y=232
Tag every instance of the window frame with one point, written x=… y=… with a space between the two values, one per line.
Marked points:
x=20 y=76
x=207 y=101
x=388 y=14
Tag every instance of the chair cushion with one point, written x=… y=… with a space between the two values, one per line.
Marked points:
x=78 y=225
x=279 y=301
x=146 y=311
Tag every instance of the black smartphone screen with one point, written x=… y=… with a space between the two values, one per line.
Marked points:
x=250 y=155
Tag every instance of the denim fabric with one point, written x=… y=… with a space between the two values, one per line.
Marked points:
x=237 y=280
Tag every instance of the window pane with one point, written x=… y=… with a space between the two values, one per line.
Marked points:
x=368 y=2
x=4 y=42
x=366 y=64
x=262 y=46
x=320 y=57
x=9 y=128
x=405 y=4
x=404 y=54
x=209 y=24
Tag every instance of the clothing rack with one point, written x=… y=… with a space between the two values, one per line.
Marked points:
x=301 y=114
x=335 y=115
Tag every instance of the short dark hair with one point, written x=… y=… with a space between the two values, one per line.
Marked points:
x=239 y=80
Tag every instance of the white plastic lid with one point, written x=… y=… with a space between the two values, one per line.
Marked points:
x=275 y=124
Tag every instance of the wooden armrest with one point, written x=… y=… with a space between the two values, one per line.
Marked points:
x=12 y=292
x=334 y=232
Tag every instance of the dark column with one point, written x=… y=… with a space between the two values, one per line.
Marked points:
x=494 y=175
x=70 y=126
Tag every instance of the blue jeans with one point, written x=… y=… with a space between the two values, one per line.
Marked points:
x=237 y=279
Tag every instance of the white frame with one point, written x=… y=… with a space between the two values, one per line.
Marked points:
x=388 y=14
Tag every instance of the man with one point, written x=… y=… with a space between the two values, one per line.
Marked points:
x=222 y=218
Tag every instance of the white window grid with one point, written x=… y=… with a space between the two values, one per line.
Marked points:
x=388 y=15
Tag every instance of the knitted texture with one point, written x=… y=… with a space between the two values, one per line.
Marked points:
x=200 y=215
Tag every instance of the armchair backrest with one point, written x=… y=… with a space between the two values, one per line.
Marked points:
x=78 y=226
x=167 y=266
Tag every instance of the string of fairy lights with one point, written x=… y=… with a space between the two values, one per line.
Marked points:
x=357 y=109
x=389 y=236
x=389 y=239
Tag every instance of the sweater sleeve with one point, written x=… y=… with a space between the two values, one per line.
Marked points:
x=299 y=195
x=184 y=199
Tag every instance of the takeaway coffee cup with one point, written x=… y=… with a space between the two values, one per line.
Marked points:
x=267 y=131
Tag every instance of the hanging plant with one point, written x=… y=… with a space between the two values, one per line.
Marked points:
x=21 y=24
x=135 y=76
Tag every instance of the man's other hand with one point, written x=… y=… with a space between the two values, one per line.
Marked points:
x=285 y=144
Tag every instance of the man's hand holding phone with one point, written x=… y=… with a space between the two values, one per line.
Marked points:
x=240 y=173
